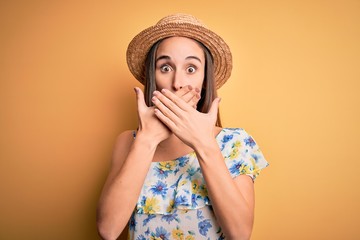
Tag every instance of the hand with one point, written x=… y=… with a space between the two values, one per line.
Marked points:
x=155 y=130
x=189 y=95
x=149 y=124
x=192 y=127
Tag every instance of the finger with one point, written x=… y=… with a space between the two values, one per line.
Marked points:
x=165 y=120
x=186 y=93
x=166 y=106
x=184 y=90
x=140 y=100
x=173 y=102
x=214 y=108
x=187 y=97
x=195 y=100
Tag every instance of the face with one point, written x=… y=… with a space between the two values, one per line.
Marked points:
x=180 y=61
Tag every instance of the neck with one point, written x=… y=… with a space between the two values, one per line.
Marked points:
x=172 y=140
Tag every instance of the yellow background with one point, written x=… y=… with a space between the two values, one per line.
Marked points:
x=66 y=92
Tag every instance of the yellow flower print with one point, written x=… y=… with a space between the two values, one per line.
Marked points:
x=198 y=188
x=195 y=184
x=177 y=234
x=171 y=206
x=256 y=170
x=167 y=165
x=189 y=237
x=183 y=211
x=235 y=150
x=245 y=169
x=237 y=144
x=151 y=205
x=183 y=182
x=252 y=168
x=192 y=154
x=202 y=190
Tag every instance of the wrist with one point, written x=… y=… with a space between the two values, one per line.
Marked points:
x=146 y=139
x=206 y=148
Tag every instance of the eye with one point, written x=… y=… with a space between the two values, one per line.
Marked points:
x=165 y=68
x=191 y=69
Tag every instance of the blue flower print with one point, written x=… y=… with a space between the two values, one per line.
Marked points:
x=141 y=237
x=146 y=220
x=204 y=227
x=143 y=200
x=132 y=222
x=250 y=142
x=161 y=233
x=225 y=139
x=177 y=182
x=192 y=171
x=199 y=214
x=180 y=200
x=162 y=174
x=255 y=157
x=193 y=200
x=235 y=168
x=159 y=188
x=183 y=161
x=170 y=217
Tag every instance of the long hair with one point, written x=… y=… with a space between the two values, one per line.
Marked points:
x=208 y=91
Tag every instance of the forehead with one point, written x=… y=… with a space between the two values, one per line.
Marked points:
x=180 y=46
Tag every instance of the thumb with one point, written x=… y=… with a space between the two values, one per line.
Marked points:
x=214 y=107
x=140 y=99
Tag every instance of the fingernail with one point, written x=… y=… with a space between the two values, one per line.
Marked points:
x=153 y=99
x=163 y=90
x=197 y=90
x=155 y=93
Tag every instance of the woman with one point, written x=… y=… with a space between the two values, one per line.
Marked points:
x=180 y=175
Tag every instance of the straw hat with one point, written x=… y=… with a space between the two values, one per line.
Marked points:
x=183 y=25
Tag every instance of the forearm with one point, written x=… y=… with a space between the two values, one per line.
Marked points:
x=233 y=211
x=121 y=193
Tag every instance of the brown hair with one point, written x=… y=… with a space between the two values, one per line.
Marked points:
x=208 y=92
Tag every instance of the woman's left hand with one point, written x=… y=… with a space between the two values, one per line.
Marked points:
x=189 y=125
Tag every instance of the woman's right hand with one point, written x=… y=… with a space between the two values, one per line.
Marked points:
x=149 y=124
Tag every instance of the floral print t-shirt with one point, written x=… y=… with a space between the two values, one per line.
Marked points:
x=174 y=203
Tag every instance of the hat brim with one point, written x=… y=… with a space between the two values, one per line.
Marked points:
x=141 y=44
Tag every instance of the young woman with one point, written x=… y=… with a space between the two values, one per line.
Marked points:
x=180 y=175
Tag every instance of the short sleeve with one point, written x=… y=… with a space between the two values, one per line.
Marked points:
x=242 y=154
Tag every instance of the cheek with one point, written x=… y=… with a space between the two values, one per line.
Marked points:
x=200 y=80
x=158 y=79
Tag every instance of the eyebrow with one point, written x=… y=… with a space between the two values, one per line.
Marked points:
x=168 y=57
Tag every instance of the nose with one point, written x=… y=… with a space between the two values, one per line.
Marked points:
x=178 y=81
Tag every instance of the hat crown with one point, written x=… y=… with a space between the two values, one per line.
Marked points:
x=182 y=25
x=181 y=18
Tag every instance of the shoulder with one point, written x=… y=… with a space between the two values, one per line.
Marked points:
x=126 y=137
x=237 y=136
x=232 y=132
